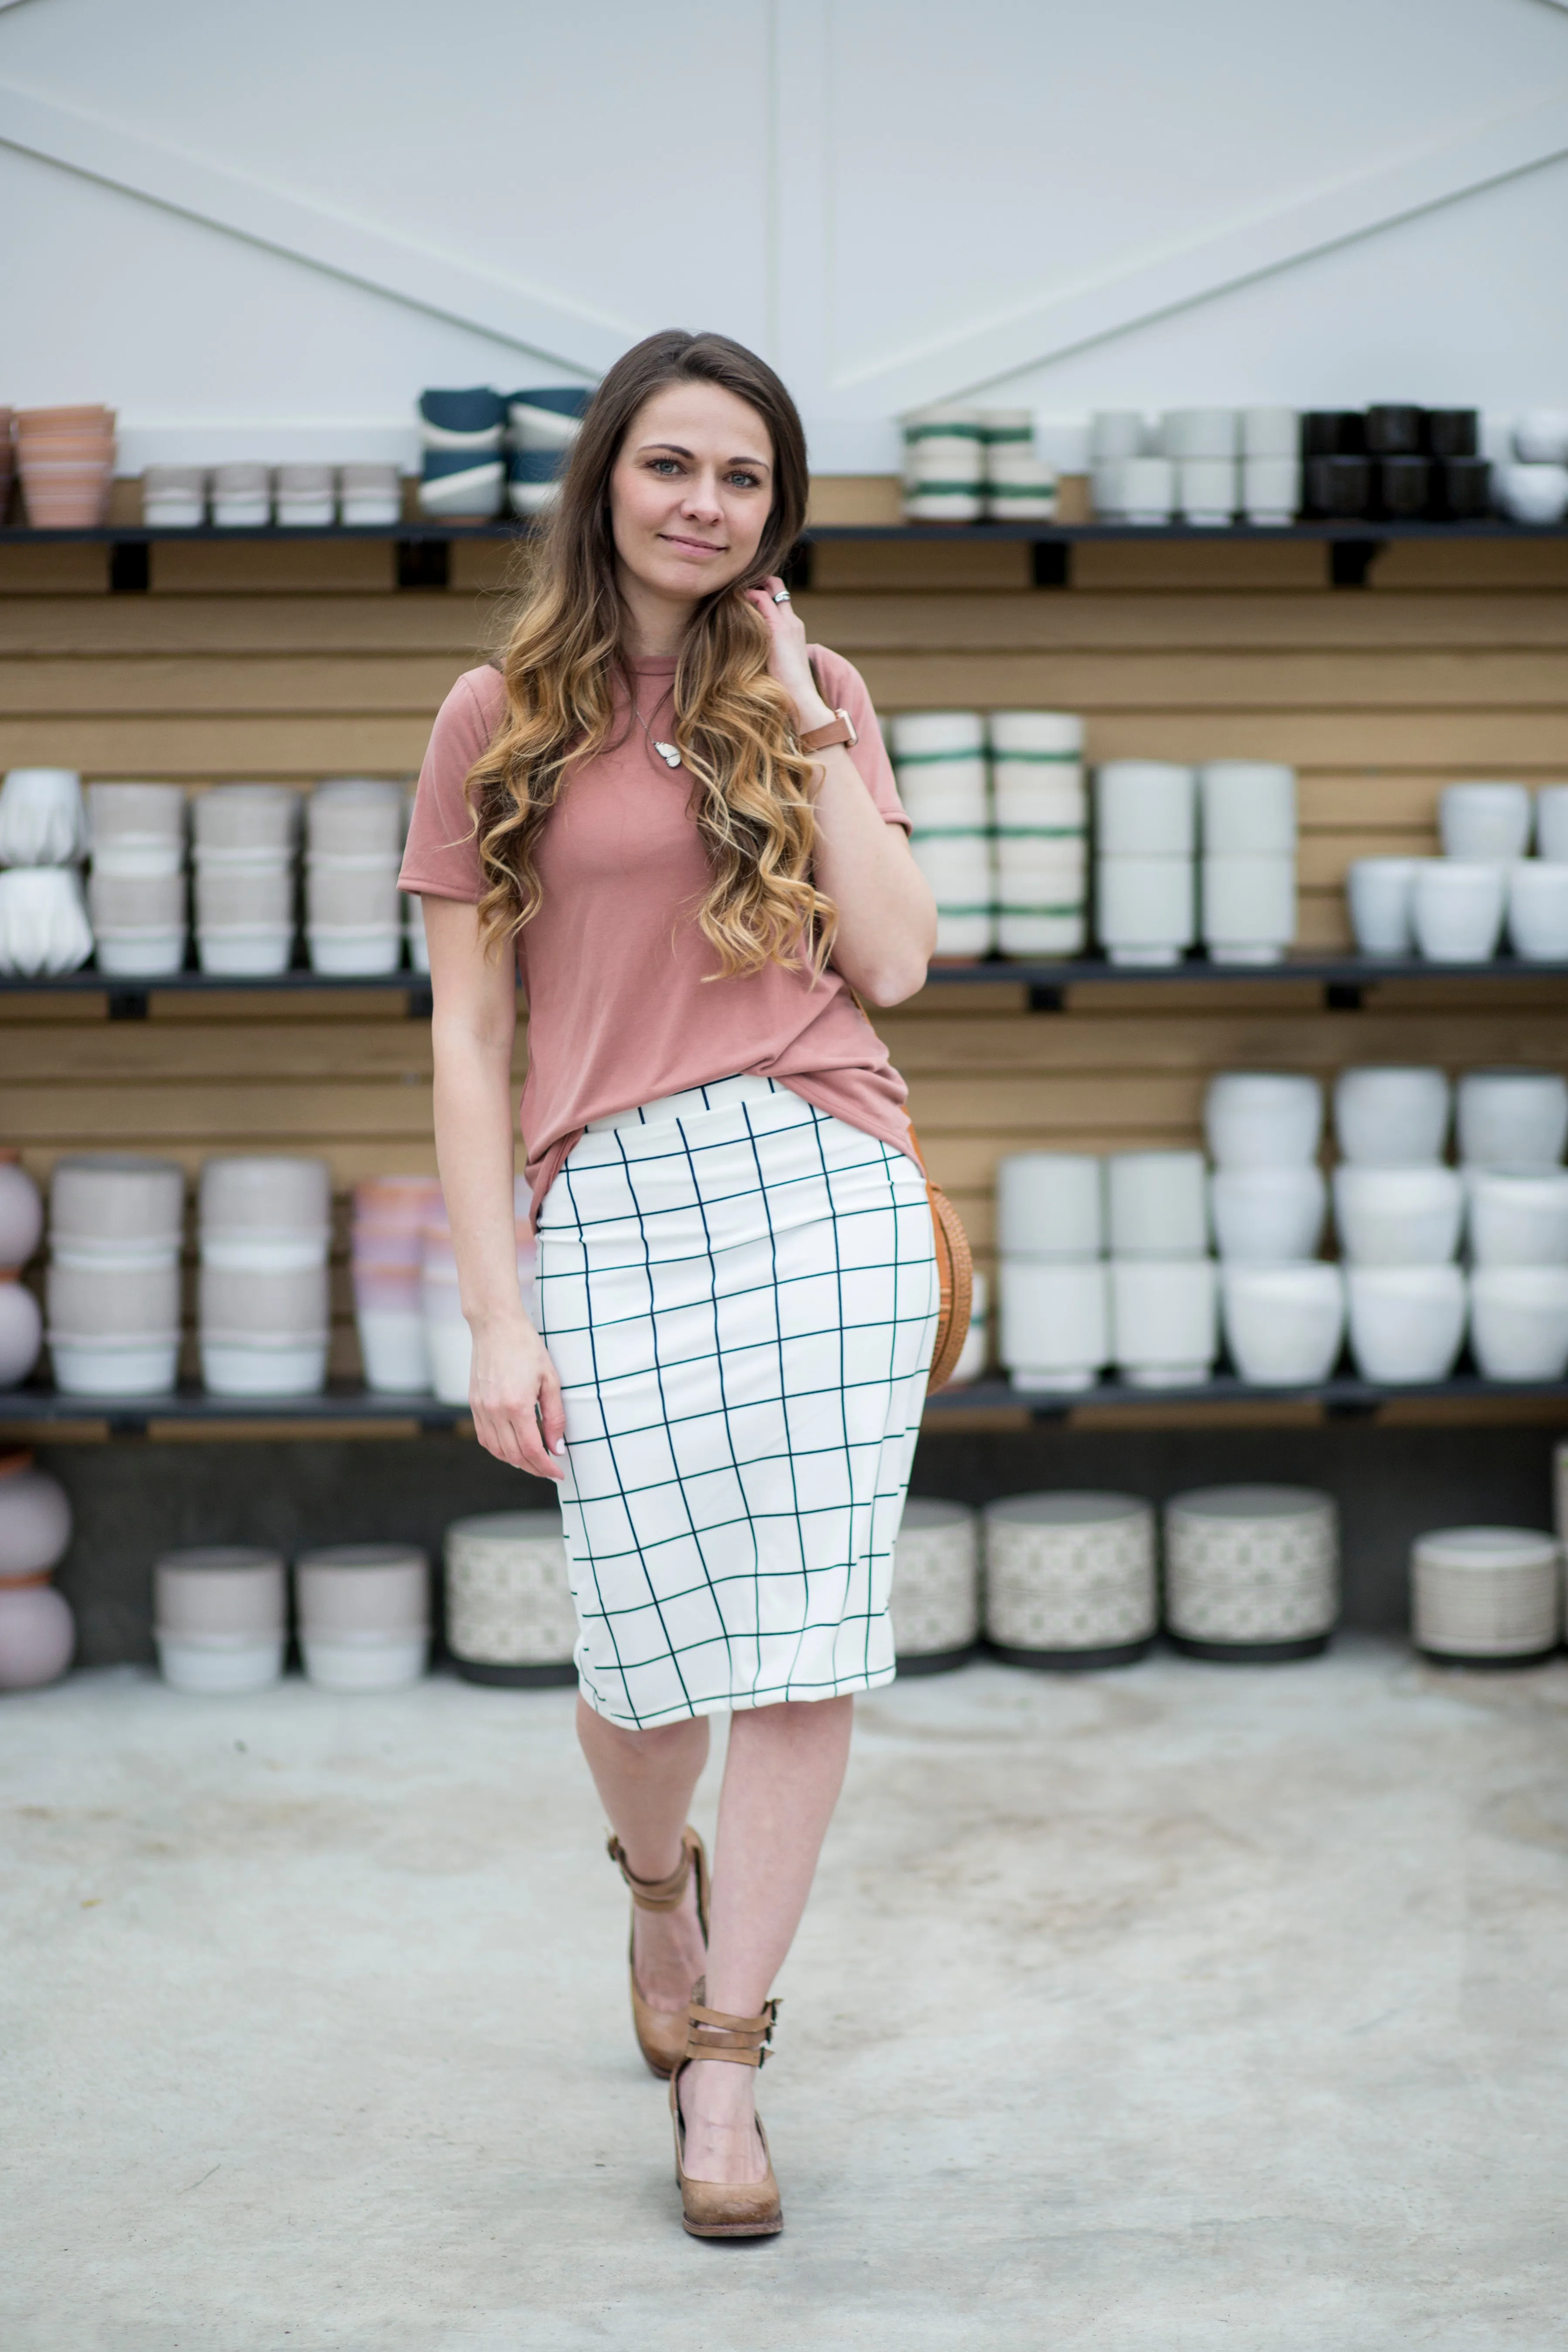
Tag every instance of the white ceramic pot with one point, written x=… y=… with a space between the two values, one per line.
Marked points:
x=1519 y=1216
x=1117 y=433
x=370 y=1662
x=355 y=950
x=1164 y=1320
x=251 y=897
x=1211 y=432
x=1531 y=493
x=1541 y=436
x=1145 y=808
x=247 y=951
x=1144 y=909
x=1392 y=1117
x=44 y=925
x=1156 y=1204
x=217 y=1666
x=290 y=1306
x=1263 y=1118
x=1070 y=1576
x=96 y=1300
x=1479 y=1593
x=136 y=902
x=112 y=1198
x=37 y=1635
x=1512 y=1119
x=1268 y=1216
x=232 y=1591
x=1518 y=1321
x=245 y=818
x=1457 y=910
x=509 y=1595
x=21 y=1214
x=1208 y=490
x=1538 y=911
x=145 y=1366
x=43 y=820
x=141 y=954
x=1248 y=907
x=935 y=1600
x=1250 y=1568
x=1552 y=822
x=1270 y=433
x=1284 y=1325
x=278 y=1195
x=35 y=1518
x=1380 y=891
x=1271 y=490
x=1050 y=1204
x=1485 y=823
x=1407 y=1322
x=21 y=1333
x=451 y=1350
x=1247 y=808
x=241 y=1364
x=923 y=735
x=1398 y=1216
x=243 y=1250
x=146 y=815
x=345 y=1590
x=1055 y=1322
x=1148 y=489
x=1055 y=736
x=394 y=1349
x=975 y=1352
x=341 y=894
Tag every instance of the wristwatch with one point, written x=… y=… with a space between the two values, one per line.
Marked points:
x=840 y=728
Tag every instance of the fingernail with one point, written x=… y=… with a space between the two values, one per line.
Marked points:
x=561 y=1445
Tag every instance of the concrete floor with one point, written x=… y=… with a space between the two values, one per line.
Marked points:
x=1185 y=2007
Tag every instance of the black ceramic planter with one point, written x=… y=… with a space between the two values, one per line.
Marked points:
x=1073 y=1661
x=517 y=1678
x=936 y=1662
x=1395 y=430
x=1250 y=1653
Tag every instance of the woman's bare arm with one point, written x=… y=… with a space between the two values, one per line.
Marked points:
x=512 y=1389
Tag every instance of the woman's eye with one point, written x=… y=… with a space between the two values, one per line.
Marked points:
x=666 y=465
x=743 y=481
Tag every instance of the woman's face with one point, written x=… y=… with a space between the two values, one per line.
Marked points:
x=690 y=491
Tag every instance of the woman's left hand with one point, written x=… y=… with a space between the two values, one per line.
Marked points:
x=787 y=660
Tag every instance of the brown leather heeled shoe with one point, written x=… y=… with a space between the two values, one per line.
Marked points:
x=726 y=2209
x=662 y=2033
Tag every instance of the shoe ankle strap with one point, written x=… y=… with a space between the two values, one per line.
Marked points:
x=743 y=2040
x=658 y=1894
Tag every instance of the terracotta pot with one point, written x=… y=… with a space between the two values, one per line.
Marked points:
x=67 y=448
x=78 y=504
x=63 y=420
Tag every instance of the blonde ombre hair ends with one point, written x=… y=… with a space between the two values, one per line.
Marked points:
x=733 y=724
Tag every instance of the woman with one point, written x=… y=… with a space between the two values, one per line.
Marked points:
x=686 y=825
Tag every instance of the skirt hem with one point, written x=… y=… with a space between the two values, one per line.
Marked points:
x=731 y=1703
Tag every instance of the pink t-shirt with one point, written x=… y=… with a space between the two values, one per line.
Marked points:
x=613 y=966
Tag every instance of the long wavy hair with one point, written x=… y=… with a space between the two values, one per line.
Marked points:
x=733 y=724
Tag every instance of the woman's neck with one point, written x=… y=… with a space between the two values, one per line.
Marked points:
x=656 y=625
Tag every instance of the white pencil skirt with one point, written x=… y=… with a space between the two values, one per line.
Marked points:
x=739 y=1293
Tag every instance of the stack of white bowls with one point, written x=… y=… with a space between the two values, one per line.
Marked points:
x=387 y=1252
x=1399 y=1215
x=1513 y=1131
x=1163 y=1307
x=369 y=495
x=1284 y=1313
x=244 y=838
x=447 y=1337
x=363 y=1614
x=136 y=891
x=1020 y=487
x=1533 y=487
x=1201 y=443
x=353 y=910
x=1252 y=1573
x=1070 y=1578
x=1538 y=886
x=1040 y=809
x=1452 y=909
x=307 y=497
x=464 y=464
x=1145 y=839
x=939 y=758
x=263 y=1305
x=1117 y=438
x=1053 y=1282
x=510 y=1618
x=44 y=925
x=1486 y=1596
x=543 y=427
x=38 y=1632
x=220 y=1618
x=21 y=1226
x=944 y=464
x=174 y=497
x=935 y=1600
x=1270 y=465
x=1249 y=893
x=112 y=1289
x=242 y=496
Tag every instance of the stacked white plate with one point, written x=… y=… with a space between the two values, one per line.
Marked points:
x=112 y=1288
x=387 y=1254
x=1146 y=840
x=136 y=891
x=1248 y=872
x=242 y=496
x=220 y=1618
x=509 y=1617
x=940 y=760
x=363 y=1612
x=447 y=1337
x=1486 y=1596
x=1054 y=1294
x=44 y=925
x=1040 y=813
x=1163 y=1296
x=1284 y=1313
x=263 y=1308
x=1251 y=1572
x=243 y=843
x=1020 y=487
x=174 y=497
x=1070 y=1578
x=936 y=1604
x=944 y=464
x=353 y=909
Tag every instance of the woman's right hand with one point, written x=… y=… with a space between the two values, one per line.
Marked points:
x=515 y=1399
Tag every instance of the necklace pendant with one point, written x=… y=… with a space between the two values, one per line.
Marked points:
x=669 y=754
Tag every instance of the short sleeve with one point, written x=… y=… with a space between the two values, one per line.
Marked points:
x=843 y=687
x=441 y=859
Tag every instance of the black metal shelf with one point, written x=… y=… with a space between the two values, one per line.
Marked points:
x=1314 y=529
x=130 y=1416
x=1343 y=1397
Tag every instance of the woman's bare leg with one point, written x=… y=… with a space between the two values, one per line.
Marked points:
x=782 y=1780
x=645 y=1780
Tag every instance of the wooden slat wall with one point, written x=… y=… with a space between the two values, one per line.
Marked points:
x=297 y=661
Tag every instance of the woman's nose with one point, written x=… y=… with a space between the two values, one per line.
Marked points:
x=702 y=498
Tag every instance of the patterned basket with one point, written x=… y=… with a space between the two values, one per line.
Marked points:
x=509 y=1617
x=935 y=1605
x=1070 y=1578
x=1251 y=1571
x=1486 y=1596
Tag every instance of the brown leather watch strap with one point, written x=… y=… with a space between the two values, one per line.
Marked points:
x=840 y=728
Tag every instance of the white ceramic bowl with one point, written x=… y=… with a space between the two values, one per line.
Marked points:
x=44 y=924
x=1145 y=808
x=1208 y=490
x=370 y=1663
x=1398 y=1216
x=1518 y=1321
x=1050 y=1204
x=1117 y=433
x=218 y=1665
x=1157 y=1205
x=1512 y=1119
x=1263 y=1118
x=1538 y=910
x=143 y=1365
x=247 y=951
x=237 y=1591
x=248 y=1194
x=1247 y=808
x=1268 y=1216
x=1145 y=909
x=242 y=1365
x=1271 y=489
x=1270 y=433
x=1148 y=489
x=1392 y=1116
x=1248 y=907
x=347 y=1590
x=1531 y=493
x=394 y=1349
x=1519 y=1216
x=1541 y=436
x=1379 y=892
x=1456 y=908
x=1485 y=1592
x=43 y=820
x=1407 y=1322
x=1552 y=822
x=1284 y=1325
x=149 y=954
x=1209 y=433
x=1485 y=822
x=1055 y=1322
x=1164 y=1320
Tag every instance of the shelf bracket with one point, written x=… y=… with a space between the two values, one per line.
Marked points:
x=1043 y=997
x=127 y=1004
x=424 y=563
x=1351 y=561
x=1342 y=996
x=1051 y=562
x=129 y=568
x=419 y=1003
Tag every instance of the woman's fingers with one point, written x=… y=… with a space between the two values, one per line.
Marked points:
x=552 y=1413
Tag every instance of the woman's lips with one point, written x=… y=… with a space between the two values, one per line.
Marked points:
x=691 y=546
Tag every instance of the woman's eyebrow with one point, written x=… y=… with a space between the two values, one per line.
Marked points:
x=675 y=450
